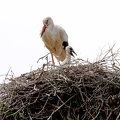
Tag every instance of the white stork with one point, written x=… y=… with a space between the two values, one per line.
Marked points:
x=55 y=39
x=69 y=52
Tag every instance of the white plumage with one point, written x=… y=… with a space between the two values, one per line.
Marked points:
x=55 y=38
x=69 y=52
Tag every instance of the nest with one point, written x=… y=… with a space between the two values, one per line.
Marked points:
x=82 y=91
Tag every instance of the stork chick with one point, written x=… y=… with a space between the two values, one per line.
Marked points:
x=69 y=52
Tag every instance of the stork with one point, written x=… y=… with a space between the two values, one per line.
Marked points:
x=69 y=52
x=55 y=39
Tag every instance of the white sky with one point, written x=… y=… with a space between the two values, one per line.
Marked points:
x=90 y=25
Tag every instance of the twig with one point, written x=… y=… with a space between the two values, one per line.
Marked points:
x=43 y=57
x=98 y=111
x=43 y=106
x=118 y=116
x=7 y=73
x=59 y=107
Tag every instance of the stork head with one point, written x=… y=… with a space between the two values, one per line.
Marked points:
x=70 y=51
x=47 y=22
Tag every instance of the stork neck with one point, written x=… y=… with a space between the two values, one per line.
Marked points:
x=50 y=27
x=68 y=56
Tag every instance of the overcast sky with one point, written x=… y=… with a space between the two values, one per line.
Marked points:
x=90 y=25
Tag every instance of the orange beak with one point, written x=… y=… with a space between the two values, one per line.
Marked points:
x=43 y=30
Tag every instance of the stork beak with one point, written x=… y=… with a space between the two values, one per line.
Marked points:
x=43 y=30
x=72 y=51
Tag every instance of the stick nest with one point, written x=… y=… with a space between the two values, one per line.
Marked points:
x=82 y=91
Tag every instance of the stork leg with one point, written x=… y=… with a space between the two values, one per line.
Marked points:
x=53 y=62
